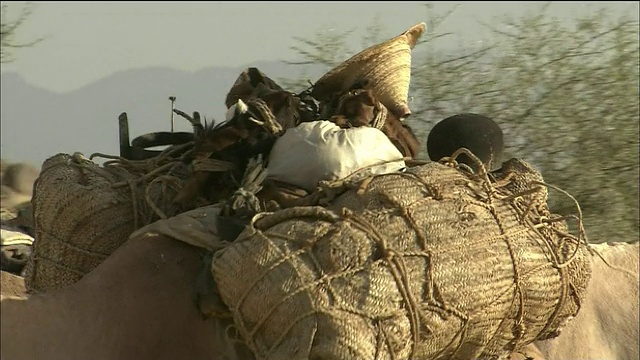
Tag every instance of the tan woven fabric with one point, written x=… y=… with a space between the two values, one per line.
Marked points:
x=385 y=67
x=434 y=263
x=83 y=212
x=197 y=227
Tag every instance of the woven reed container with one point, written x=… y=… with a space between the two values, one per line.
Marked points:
x=434 y=263
x=386 y=68
x=82 y=212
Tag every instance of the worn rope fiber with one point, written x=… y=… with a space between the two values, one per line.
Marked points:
x=264 y=116
x=381 y=117
x=436 y=262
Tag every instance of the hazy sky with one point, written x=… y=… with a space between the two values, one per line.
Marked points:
x=86 y=41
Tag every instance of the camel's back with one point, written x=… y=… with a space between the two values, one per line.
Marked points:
x=12 y=285
x=607 y=325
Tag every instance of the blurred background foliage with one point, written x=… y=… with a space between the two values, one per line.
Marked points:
x=565 y=94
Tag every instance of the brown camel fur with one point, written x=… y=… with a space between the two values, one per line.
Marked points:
x=138 y=304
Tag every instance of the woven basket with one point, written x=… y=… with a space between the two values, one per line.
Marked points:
x=429 y=264
x=386 y=69
x=83 y=212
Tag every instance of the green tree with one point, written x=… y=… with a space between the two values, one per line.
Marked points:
x=567 y=97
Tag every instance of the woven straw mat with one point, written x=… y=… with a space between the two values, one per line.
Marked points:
x=434 y=263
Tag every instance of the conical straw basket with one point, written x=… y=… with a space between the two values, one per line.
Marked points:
x=385 y=68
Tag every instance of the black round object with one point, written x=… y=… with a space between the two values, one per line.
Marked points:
x=480 y=134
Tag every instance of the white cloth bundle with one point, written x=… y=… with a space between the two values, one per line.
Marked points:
x=320 y=150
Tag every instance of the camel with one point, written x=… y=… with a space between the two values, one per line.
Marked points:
x=12 y=285
x=20 y=177
x=607 y=325
x=148 y=314
x=11 y=198
x=151 y=313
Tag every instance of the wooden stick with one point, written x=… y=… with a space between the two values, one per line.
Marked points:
x=125 y=146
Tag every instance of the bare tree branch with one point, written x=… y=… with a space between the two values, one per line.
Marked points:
x=8 y=31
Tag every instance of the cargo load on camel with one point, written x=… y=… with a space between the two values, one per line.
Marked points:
x=327 y=236
x=16 y=238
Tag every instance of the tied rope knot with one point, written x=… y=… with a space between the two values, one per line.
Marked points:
x=244 y=199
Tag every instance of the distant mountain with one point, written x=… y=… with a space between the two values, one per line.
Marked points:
x=37 y=124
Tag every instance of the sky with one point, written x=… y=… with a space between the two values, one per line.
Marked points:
x=86 y=41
